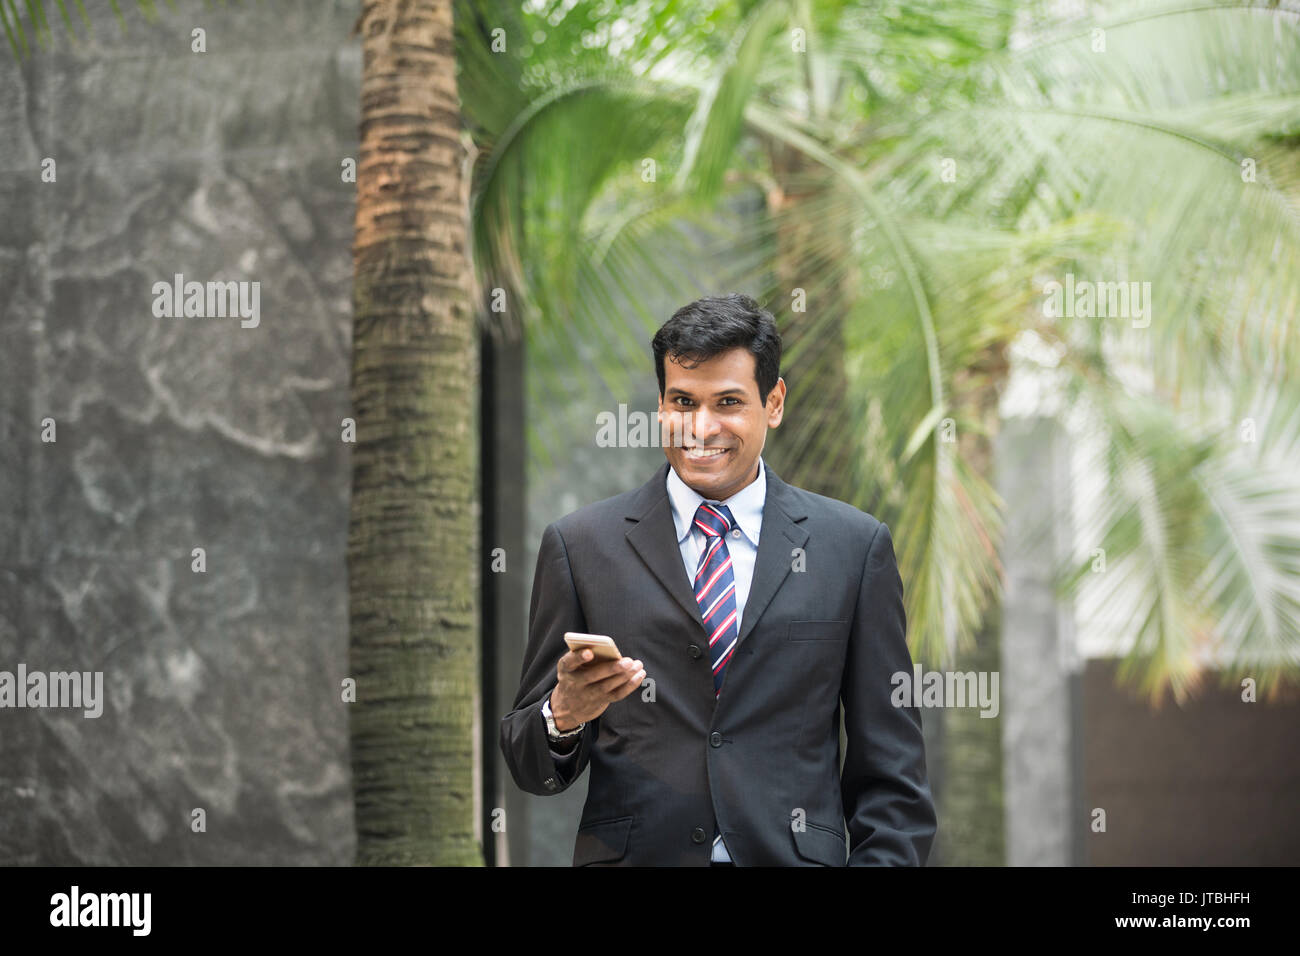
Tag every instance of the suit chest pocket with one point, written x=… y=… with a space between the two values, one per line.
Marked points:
x=813 y=655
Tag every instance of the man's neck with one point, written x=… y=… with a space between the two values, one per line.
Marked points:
x=752 y=478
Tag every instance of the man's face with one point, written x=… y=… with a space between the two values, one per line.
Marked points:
x=715 y=405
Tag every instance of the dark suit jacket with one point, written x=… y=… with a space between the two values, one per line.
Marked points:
x=764 y=761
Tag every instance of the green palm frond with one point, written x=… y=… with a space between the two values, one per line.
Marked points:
x=714 y=127
x=529 y=221
x=1251 y=581
x=1147 y=525
x=1046 y=136
x=531 y=229
x=1200 y=528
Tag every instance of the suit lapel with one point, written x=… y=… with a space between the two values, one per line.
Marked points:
x=654 y=538
x=779 y=536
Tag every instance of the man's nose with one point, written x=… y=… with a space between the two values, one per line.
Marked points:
x=702 y=425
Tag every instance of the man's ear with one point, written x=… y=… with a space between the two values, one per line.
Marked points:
x=776 y=403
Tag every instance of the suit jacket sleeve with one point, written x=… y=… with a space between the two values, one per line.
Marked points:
x=554 y=609
x=886 y=795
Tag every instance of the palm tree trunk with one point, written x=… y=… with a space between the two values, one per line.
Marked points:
x=412 y=540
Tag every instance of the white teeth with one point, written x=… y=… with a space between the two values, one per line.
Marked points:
x=698 y=453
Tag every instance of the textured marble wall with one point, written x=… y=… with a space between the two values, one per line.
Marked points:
x=221 y=687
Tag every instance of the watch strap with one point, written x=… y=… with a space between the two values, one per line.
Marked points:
x=554 y=732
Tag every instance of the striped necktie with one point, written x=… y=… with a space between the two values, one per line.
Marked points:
x=715 y=588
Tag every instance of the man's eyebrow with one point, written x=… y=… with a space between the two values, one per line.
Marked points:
x=726 y=391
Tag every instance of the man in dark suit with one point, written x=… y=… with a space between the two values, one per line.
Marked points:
x=748 y=610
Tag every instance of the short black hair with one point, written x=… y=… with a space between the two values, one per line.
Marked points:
x=715 y=324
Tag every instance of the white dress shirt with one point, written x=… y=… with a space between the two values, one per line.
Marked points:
x=746 y=507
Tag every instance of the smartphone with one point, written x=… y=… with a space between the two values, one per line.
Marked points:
x=602 y=647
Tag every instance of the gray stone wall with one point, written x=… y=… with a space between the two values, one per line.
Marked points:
x=221 y=688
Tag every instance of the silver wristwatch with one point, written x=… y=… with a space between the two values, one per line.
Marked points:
x=551 y=730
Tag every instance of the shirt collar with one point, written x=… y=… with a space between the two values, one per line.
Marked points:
x=746 y=505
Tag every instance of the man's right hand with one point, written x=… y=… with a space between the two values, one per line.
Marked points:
x=585 y=688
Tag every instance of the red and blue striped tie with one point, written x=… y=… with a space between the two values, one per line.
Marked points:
x=715 y=588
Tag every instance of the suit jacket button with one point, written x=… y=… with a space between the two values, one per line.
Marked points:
x=715 y=738
x=694 y=651
x=698 y=835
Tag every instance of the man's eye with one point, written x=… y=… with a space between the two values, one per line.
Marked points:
x=683 y=401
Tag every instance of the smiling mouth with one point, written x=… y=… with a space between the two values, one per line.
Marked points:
x=704 y=454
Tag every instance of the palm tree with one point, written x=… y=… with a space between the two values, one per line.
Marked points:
x=965 y=157
x=412 y=539
x=412 y=542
